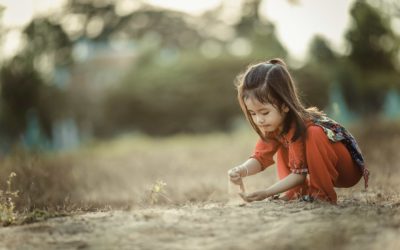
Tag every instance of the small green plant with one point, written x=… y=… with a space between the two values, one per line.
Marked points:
x=157 y=191
x=7 y=213
x=39 y=215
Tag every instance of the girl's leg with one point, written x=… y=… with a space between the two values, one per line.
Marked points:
x=329 y=164
x=283 y=171
x=322 y=161
x=349 y=173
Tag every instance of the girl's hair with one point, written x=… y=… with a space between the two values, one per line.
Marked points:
x=270 y=82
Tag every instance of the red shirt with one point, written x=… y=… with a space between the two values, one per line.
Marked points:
x=265 y=150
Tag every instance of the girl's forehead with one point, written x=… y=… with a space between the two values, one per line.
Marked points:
x=252 y=102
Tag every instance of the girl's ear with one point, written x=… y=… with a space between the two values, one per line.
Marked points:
x=285 y=108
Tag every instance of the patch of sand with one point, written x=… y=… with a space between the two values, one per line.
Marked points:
x=259 y=225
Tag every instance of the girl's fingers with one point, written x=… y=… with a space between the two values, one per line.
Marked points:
x=242 y=187
x=252 y=198
x=236 y=181
x=249 y=198
x=235 y=178
x=252 y=195
x=258 y=198
x=244 y=197
x=233 y=173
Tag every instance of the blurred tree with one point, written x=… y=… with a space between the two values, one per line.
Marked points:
x=259 y=32
x=181 y=79
x=164 y=33
x=19 y=93
x=373 y=43
x=25 y=78
x=189 y=96
x=320 y=52
x=318 y=73
x=48 y=44
x=192 y=93
x=102 y=22
x=391 y=8
x=374 y=53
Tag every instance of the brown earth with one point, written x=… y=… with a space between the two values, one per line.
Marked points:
x=259 y=225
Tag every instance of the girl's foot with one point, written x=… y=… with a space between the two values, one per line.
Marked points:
x=307 y=198
x=280 y=198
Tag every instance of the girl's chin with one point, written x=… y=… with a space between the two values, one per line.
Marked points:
x=267 y=130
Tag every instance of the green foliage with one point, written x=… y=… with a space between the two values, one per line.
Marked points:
x=23 y=90
x=371 y=67
x=24 y=80
x=158 y=191
x=260 y=33
x=317 y=75
x=193 y=94
x=168 y=28
x=20 y=85
x=9 y=215
x=47 y=39
x=365 y=74
x=7 y=206
x=43 y=181
x=320 y=51
x=373 y=43
x=312 y=85
x=171 y=83
x=171 y=86
x=39 y=215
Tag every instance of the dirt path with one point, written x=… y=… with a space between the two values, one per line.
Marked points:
x=259 y=225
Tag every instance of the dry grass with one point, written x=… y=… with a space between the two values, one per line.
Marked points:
x=125 y=172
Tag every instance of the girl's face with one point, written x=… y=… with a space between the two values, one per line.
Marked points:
x=266 y=116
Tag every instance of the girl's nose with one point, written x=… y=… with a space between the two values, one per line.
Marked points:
x=260 y=120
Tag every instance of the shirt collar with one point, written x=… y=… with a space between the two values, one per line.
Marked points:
x=283 y=138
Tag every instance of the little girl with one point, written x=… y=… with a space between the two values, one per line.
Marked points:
x=314 y=153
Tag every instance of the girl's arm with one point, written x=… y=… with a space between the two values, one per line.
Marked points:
x=253 y=167
x=285 y=184
x=290 y=181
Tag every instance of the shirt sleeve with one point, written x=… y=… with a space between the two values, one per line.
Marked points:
x=264 y=152
x=297 y=160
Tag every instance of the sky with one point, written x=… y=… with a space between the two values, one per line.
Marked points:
x=295 y=24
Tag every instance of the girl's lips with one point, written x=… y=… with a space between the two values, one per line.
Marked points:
x=265 y=129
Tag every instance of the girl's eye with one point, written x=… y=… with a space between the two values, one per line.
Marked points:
x=265 y=113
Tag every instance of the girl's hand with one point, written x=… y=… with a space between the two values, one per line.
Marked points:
x=235 y=175
x=256 y=196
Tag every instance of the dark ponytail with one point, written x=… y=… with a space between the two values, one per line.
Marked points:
x=277 y=61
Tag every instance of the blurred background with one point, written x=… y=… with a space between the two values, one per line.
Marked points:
x=80 y=69
x=113 y=74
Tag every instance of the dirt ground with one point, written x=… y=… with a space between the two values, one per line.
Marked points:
x=233 y=225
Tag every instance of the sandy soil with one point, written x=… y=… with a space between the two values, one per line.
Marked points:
x=233 y=225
